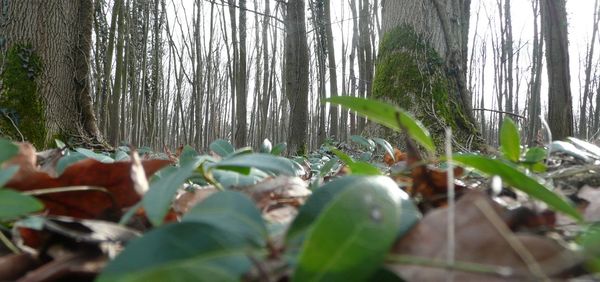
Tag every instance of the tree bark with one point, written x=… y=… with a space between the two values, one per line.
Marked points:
x=422 y=64
x=60 y=33
x=560 y=109
x=296 y=76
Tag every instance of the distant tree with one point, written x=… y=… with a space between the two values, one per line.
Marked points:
x=422 y=63
x=560 y=109
x=59 y=33
x=296 y=75
x=535 y=84
x=241 y=87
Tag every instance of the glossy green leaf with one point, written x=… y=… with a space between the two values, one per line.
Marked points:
x=157 y=200
x=327 y=167
x=187 y=251
x=7 y=173
x=188 y=154
x=367 y=143
x=265 y=162
x=385 y=145
x=7 y=150
x=266 y=146
x=221 y=147
x=279 y=148
x=321 y=198
x=14 y=204
x=92 y=155
x=357 y=167
x=518 y=180
x=535 y=155
x=510 y=141
x=388 y=115
x=229 y=179
x=68 y=159
x=59 y=144
x=232 y=212
x=352 y=235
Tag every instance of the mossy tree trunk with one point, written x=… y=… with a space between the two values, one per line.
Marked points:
x=59 y=33
x=422 y=64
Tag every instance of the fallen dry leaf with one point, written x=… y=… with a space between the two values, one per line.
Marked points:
x=592 y=210
x=115 y=178
x=398 y=156
x=478 y=240
x=278 y=190
x=188 y=199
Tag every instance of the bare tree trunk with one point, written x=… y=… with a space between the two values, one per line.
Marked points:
x=560 y=109
x=583 y=122
x=535 y=107
x=296 y=73
x=241 y=89
x=333 y=121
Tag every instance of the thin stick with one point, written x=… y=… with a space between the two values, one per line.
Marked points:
x=514 y=243
x=501 y=271
x=9 y=244
x=500 y=112
x=450 y=244
x=39 y=192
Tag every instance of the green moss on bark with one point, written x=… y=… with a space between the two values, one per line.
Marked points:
x=22 y=107
x=411 y=74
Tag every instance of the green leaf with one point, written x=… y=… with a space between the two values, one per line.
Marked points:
x=266 y=146
x=535 y=155
x=187 y=251
x=385 y=145
x=67 y=160
x=157 y=200
x=265 y=162
x=510 y=140
x=359 y=168
x=92 y=155
x=279 y=148
x=14 y=204
x=352 y=235
x=59 y=144
x=188 y=154
x=229 y=179
x=367 y=143
x=326 y=168
x=7 y=173
x=518 y=180
x=388 y=115
x=320 y=199
x=221 y=147
x=232 y=212
x=7 y=150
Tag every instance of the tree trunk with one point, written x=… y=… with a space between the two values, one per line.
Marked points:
x=296 y=76
x=535 y=84
x=560 y=110
x=241 y=88
x=422 y=64
x=333 y=124
x=587 y=87
x=60 y=34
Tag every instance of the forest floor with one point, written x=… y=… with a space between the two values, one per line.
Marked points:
x=73 y=211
